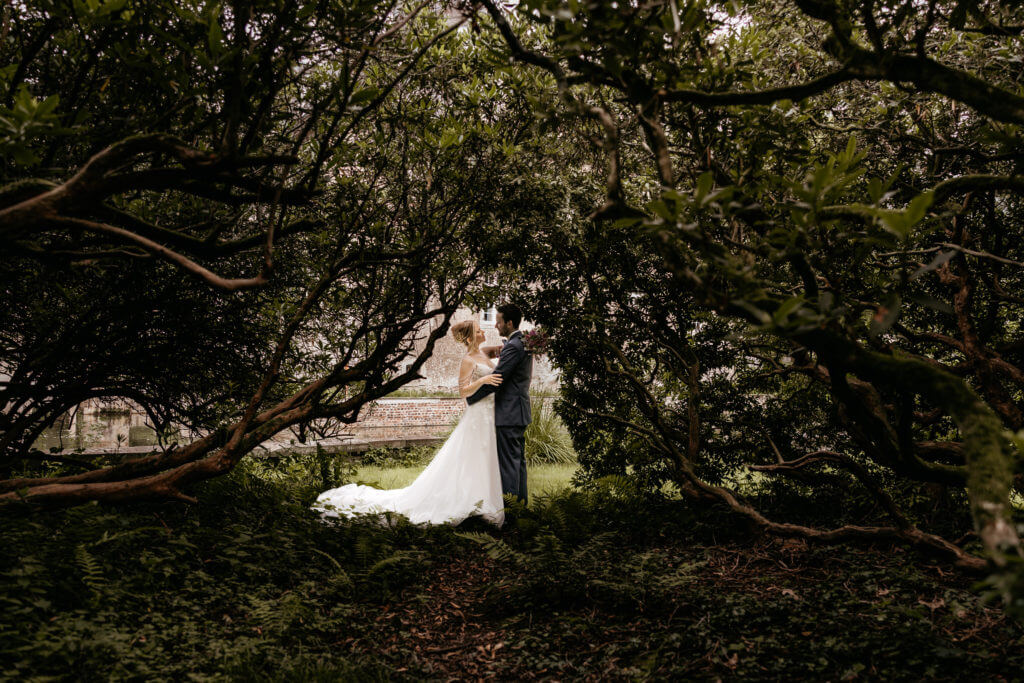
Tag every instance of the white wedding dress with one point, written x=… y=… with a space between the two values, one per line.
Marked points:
x=461 y=480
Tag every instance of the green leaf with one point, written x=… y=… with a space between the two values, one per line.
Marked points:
x=215 y=35
x=110 y=7
x=761 y=315
x=704 y=185
x=787 y=307
x=851 y=147
x=661 y=209
x=918 y=207
x=361 y=96
x=931 y=302
x=875 y=189
x=894 y=222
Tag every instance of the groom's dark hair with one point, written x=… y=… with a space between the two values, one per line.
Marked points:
x=511 y=313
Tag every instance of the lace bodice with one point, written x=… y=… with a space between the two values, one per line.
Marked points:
x=480 y=370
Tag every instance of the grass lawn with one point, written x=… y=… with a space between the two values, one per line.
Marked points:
x=541 y=479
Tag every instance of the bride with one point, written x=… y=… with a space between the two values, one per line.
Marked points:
x=463 y=478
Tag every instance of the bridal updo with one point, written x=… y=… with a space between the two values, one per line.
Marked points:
x=463 y=332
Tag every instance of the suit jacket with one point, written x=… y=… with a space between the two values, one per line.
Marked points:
x=512 y=398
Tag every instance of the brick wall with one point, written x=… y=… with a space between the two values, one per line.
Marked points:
x=409 y=411
x=408 y=418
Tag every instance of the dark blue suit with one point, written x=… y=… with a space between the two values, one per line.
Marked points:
x=511 y=412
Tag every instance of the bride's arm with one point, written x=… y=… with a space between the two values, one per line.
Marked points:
x=467 y=387
x=491 y=351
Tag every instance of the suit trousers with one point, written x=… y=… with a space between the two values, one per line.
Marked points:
x=512 y=461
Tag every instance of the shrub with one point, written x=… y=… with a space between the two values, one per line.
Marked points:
x=398 y=457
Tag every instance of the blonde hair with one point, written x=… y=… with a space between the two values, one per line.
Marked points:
x=463 y=332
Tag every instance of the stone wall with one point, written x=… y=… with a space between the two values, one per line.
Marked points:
x=385 y=423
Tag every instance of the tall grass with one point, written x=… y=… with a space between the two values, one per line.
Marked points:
x=547 y=439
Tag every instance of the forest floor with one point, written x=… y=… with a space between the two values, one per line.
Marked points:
x=752 y=612
x=596 y=584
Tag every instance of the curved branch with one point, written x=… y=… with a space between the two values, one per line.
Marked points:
x=912 y=535
x=854 y=467
x=931 y=76
x=87 y=188
x=986 y=450
x=615 y=195
x=981 y=182
x=183 y=262
x=789 y=92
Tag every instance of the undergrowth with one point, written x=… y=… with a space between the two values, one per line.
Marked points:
x=598 y=581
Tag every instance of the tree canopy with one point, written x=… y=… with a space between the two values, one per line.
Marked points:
x=769 y=238
x=240 y=216
x=810 y=210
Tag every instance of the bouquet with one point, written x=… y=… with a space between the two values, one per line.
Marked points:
x=536 y=342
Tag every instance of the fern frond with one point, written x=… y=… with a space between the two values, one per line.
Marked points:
x=91 y=572
x=495 y=548
x=395 y=558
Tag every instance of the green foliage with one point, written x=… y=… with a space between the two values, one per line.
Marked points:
x=398 y=457
x=119 y=321
x=250 y=579
x=768 y=272
x=712 y=319
x=90 y=572
x=25 y=121
x=567 y=551
x=1006 y=588
x=252 y=585
x=654 y=585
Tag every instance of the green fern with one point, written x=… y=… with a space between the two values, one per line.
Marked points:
x=394 y=559
x=557 y=517
x=90 y=570
x=495 y=548
x=340 y=580
x=280 y=614
x=619 y=485
x=365 y=548
x=606 y=540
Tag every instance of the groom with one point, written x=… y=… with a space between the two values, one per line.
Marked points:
x=511 y=401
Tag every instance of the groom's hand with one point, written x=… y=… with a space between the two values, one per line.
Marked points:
x=494 y=379
x=491 y=380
